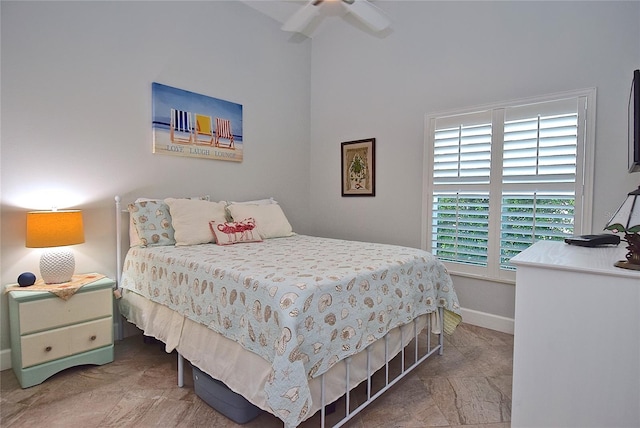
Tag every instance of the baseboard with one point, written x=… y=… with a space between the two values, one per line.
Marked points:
x=486 y=320
x=5 y=359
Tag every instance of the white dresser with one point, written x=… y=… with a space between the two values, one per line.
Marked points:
x=576 y=359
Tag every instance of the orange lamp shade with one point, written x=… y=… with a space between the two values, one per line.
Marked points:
x=54 y=228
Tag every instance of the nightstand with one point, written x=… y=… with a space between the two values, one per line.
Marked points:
x=49 y=334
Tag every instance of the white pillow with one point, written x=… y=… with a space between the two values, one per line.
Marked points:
x=255 y=202
x=190 y=219
x=270 y=219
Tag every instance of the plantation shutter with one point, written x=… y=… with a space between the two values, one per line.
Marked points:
x=461 y=173
x=528 y=217
x=462 y=149
x=538 y=175
x=540 y=143
x=460 y=230
x=503 y=178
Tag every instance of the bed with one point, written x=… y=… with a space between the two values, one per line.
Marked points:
x=290 y=322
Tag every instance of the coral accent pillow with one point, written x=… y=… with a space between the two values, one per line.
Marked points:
x=270 y=219
x=235 y=232
x=190 y=219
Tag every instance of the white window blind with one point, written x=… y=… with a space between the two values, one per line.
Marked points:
x=501 y=178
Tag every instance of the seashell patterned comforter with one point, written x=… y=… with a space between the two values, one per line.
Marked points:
x=302 y=303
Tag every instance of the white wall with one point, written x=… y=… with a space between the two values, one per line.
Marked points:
x=76 y=114
x=445 y=55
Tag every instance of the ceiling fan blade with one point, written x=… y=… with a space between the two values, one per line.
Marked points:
x=371 y=15
x=299 y=20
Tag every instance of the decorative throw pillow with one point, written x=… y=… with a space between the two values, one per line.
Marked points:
x=152 y=223
x=190 y=219
x=134 y=238
x=270 y=219
x=235 y=232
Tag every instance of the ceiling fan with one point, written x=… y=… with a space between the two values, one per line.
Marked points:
x=369 y=14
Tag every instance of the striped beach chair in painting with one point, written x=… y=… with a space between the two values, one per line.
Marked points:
x=223 y=130
x=204 y=131
x=181 y=130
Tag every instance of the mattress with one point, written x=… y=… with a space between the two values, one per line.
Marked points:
x=300 y=303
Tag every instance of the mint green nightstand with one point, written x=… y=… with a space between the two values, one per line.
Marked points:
x=49 y=334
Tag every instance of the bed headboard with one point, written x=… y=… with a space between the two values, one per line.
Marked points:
x=122 y=237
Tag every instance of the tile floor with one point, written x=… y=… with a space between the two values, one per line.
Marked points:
x=470 y=386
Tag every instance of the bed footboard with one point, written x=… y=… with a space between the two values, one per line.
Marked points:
x=420 y=340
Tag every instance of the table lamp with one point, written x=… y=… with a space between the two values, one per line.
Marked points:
x=627 y=220
x=55 y=230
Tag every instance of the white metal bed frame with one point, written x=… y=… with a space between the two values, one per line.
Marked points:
x=371 y=396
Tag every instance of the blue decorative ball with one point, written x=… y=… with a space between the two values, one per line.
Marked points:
x=26 y=279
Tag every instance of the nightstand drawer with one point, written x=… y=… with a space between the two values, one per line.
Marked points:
x=42 y=347
x=91 y=335
x=54 y=312
x=50 y=345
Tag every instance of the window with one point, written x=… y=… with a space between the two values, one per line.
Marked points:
x=499 y=178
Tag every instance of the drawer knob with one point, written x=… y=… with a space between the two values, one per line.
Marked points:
x=48 y=349
x=93 y=337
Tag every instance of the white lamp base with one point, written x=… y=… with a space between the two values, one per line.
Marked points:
x=57 y=265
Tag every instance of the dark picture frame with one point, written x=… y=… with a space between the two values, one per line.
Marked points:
x=358 y=166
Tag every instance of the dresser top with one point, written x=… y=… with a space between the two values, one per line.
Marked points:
x=561 y=256
x=25 y=295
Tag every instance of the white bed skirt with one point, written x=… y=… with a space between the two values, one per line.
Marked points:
x=245 y=372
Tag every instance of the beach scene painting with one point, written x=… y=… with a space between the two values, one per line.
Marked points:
x=193 y=125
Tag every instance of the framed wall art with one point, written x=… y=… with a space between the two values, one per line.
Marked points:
x=358 y=167
x=188 y=124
